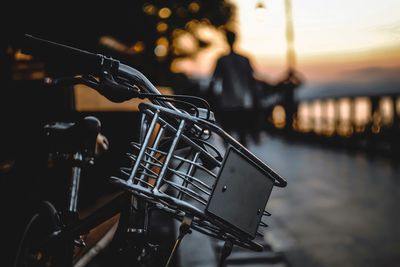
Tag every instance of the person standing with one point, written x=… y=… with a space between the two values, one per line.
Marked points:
x=233 y=86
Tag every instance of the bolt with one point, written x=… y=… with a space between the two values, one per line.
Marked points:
x=224 y=188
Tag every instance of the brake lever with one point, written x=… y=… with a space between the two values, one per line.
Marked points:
x=106 y=86
x=113 y=90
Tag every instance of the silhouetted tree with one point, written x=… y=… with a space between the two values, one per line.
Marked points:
x=138 y=32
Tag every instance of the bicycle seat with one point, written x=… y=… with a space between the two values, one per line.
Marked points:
x=67 y=137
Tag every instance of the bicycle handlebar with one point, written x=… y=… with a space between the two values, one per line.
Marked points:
x=84 y=62
x=81 y=61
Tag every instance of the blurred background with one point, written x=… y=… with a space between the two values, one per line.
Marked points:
x=327 y=77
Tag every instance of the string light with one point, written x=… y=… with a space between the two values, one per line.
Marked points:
x=138 y=47
x=162 y=27
x=149 y=9
x=260 y=5
x=194 y=7
x=164 y=13
x=161 y=49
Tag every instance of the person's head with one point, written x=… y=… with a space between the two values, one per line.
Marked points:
x=230 y=38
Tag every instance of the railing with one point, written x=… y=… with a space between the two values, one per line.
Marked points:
x=360 y=114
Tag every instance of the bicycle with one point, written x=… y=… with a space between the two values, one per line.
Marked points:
x=176 y=168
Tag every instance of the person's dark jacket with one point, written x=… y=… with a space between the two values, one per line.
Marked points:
x=234 y=74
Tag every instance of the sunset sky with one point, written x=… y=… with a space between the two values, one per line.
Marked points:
x=331 y=37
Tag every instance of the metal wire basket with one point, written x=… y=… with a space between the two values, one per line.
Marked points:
x=177 y=166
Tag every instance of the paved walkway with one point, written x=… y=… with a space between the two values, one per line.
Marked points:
x=339 y=209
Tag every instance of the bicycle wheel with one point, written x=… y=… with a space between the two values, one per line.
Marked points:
x=33 y=250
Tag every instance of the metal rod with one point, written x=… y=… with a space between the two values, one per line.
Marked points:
x=191 y=179
x=186 y=160
x=190 y=142
x=144 y=145
x=170 y=153
x=155 y=145
x=187 y=179
x=183 y=230
x=74 y=184
x=187 y=192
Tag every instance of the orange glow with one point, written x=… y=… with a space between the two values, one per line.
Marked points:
x=330 y=109
x=149 y=9
x=162 y=27
x=386 y=109
x=331 y=38
x=162 y=41
x=376 y=120
x=343 y=116
x=194 y=7
x=164 y=13
x=317 y=112
x=362 y=111
x=260 y=6
x=138 y=47
x=113 y=43
x=345 y=126
x=278 y=116
x=304 y=117
x=160 y=51
x=331 y=43
x=345 y=109
x=329 y=117
x=201 y=62
x=339 y=65
x=398 y=106
x=192 y=24
x=376 y=129
x=88 y=100
x=184 y=43
x=20 y=56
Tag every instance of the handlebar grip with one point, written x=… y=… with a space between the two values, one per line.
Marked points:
x=80 y=61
